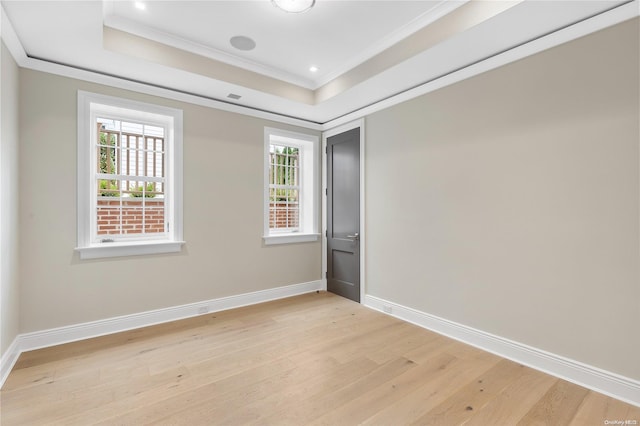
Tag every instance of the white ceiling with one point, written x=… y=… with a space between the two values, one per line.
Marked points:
x=333 y=36
x=366 y=51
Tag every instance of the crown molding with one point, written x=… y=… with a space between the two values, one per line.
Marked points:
x=443 y=8
x=10 y=38
x=606 y=19
x=129 y=26
x=588 y=26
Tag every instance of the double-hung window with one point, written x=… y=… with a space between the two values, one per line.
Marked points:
x=291 y=187
x=129 y=177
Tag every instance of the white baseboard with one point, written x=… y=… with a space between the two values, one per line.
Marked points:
x=8 y=360
x=56 y=336
x=606 y=382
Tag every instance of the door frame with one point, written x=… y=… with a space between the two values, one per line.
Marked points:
x=327 y=134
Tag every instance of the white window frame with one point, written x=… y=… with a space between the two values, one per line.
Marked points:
x=309 y=186
x=92 y=105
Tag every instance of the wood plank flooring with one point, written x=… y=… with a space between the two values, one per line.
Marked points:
x=315 y=359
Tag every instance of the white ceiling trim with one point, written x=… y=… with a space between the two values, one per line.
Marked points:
x=599 y=22
x=612 y=17
x=441 y=9
x=16 y=49
x=147 y=89
x=128 y=26
x=10 y=38
x=436 y=12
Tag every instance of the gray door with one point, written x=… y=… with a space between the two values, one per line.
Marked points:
x=343 y=214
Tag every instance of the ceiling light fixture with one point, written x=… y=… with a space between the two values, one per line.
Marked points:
x=294 y=6
x=140 y=5
x=313 y=68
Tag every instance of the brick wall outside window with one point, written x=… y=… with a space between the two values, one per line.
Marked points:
x=283 y=216
x=109 y=216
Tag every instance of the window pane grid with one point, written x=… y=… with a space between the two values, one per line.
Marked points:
x=130 y=179
x=284 y=188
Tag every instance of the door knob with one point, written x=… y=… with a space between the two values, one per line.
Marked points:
x=355 y=237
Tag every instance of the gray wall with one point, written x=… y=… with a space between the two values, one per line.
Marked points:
x=9 y=291
x=223 y=217
x=509 y=202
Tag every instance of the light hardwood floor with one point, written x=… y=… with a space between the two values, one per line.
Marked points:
x=312 y=359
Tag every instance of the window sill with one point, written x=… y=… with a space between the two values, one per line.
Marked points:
x=129 y=249
x=289 y=238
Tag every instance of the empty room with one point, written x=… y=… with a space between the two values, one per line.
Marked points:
x=327 y=212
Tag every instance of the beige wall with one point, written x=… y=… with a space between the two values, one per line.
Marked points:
x=510 y=202
x=9 y=291
x=223 y=217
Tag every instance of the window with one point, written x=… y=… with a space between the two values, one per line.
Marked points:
x=284 y=188
x=291 y=187
x=129 y=177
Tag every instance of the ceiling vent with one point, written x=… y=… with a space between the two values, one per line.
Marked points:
x=241 y=42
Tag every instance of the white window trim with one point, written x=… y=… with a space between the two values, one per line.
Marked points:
x=174 y=238
x=310 y=181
